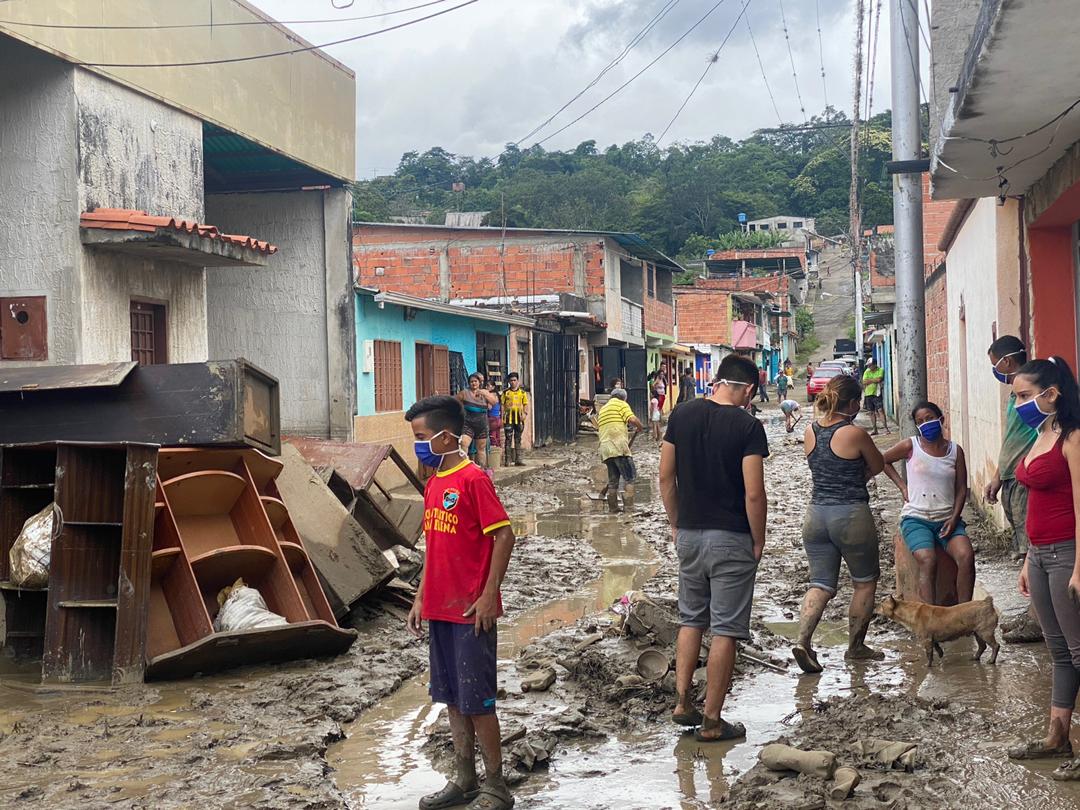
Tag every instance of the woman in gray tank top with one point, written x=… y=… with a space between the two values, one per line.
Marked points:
x=838 y=524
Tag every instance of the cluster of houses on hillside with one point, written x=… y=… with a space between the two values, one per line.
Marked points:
x=179 y=214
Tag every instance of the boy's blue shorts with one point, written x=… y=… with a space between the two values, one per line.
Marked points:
x=463 y=666
x=919 y=534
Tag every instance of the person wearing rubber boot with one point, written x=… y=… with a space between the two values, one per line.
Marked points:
x=1048 y=401
x=515 y=406
x=712 y=480
x=468 y=544
x=613 y=428
x=838 y=523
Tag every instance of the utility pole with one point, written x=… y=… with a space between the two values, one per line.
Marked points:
x=910 y=310
x=854 y=203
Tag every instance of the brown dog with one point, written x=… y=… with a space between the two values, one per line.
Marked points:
x=932 y=624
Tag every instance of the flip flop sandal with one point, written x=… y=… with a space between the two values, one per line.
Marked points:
x=691 y=718
x=491 y=798
x=806 y=660
x=1039 y=750
x=727 y=731
x=450 y=796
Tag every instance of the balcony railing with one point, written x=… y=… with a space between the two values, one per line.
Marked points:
x=633 y=319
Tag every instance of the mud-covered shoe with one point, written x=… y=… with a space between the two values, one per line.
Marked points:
x=1038 y=749
x=864 y=653
x=719 y=730
x=1067 y=771
x=806 y=659
x=450 y=796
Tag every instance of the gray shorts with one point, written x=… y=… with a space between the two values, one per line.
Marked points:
x=716 y=580
x=843 y=531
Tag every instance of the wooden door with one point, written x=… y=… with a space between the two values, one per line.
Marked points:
x=148 y=333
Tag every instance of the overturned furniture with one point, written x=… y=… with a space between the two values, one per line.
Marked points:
x=220 y=517
x=349 y=562
x=89 y=622
x=352 y=470
x=226 y=402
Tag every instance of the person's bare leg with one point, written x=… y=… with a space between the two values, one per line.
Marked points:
x=959 y=548
x=465 y=442
x=687 y=650
x=1057 y=733
x=464 y=736
x=885 y=421
x=481 y=453
x=926 y=560
x=490 y=738
x=813 y=605
x=859 y=615
x=718 y=675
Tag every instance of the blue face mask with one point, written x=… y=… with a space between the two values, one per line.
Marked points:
x=999 y=376
x=931 y=431
x=1032 y=415
x=428 y=457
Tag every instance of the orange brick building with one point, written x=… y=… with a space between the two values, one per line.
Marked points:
x=936 y=215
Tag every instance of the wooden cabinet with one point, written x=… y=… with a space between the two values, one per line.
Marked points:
x=219 y=517
x=90 y=623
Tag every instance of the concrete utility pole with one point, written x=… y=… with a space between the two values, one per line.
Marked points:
x=907 y=209
x=854 y=202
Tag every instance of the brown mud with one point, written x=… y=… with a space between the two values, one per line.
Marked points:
x=358 y=731
x=254 y=737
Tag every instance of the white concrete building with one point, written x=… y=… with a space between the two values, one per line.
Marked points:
x=105 y=170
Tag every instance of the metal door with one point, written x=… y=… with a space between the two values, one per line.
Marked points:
x=565 y=388
x=611 y=366
x=635 y=363
x=543 y=393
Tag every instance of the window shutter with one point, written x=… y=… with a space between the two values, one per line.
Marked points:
x=442 y=370
x=24 y=328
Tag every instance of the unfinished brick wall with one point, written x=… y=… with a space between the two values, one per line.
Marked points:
x=659 y=317
x=937 y=340
x=936 y=215
x=481 y=263
x=704 y=316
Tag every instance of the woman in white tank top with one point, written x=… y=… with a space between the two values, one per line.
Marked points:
x=934 y=496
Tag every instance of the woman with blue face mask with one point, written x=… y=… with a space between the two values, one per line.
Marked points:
x=1048 y=402
x=934 y=496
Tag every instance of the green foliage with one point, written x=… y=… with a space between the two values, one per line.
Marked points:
x=683 y=198
x=804 y=322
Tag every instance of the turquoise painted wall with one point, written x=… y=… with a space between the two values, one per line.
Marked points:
x=389 y=323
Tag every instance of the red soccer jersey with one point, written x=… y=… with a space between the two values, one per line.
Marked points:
x=461 y=510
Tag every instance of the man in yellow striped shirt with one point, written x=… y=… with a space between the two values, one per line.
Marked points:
x=515 y=406
x=613 y=425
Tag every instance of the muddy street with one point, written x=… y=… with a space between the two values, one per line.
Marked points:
x=359 y=731
x=600 y=737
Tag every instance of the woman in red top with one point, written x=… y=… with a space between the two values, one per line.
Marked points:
x=1048 y=401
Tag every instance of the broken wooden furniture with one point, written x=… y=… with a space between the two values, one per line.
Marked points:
x=352 y=469
x=90 y=622
x=348 y=560
x=228 y=402
x=220 y=517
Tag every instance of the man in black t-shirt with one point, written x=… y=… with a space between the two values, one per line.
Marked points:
x=712 y=480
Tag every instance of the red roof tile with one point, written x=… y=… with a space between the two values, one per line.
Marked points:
x=126 y=219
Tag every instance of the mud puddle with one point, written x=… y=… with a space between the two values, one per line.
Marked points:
x=382 y=763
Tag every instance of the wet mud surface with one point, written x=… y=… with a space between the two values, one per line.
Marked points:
x=254 y=737
x=359 y=731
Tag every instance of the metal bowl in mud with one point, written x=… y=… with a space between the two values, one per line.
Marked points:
x=652 y=665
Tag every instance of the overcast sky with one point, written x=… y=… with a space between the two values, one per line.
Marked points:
x=479 y=77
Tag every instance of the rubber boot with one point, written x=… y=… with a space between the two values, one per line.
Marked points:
x=517 y=457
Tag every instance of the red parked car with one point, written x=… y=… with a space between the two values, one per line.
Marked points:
x=820 y=379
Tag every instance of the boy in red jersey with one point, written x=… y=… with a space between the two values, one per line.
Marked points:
x=468 y=546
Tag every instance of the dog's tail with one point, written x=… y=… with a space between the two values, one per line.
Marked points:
x=989 y=600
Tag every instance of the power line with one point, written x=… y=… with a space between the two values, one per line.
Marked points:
x=873 y=61
x=622 y=86
x=175 y=26
x=289 y=52
x=772 y=98
x=712 y=61
x=791 y=56
x=821 y=53
x=637 y=38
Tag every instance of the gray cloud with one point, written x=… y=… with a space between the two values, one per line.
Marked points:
x=475 y=79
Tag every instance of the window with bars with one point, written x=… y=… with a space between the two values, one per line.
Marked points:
x=387 y=376
x=148 y=333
